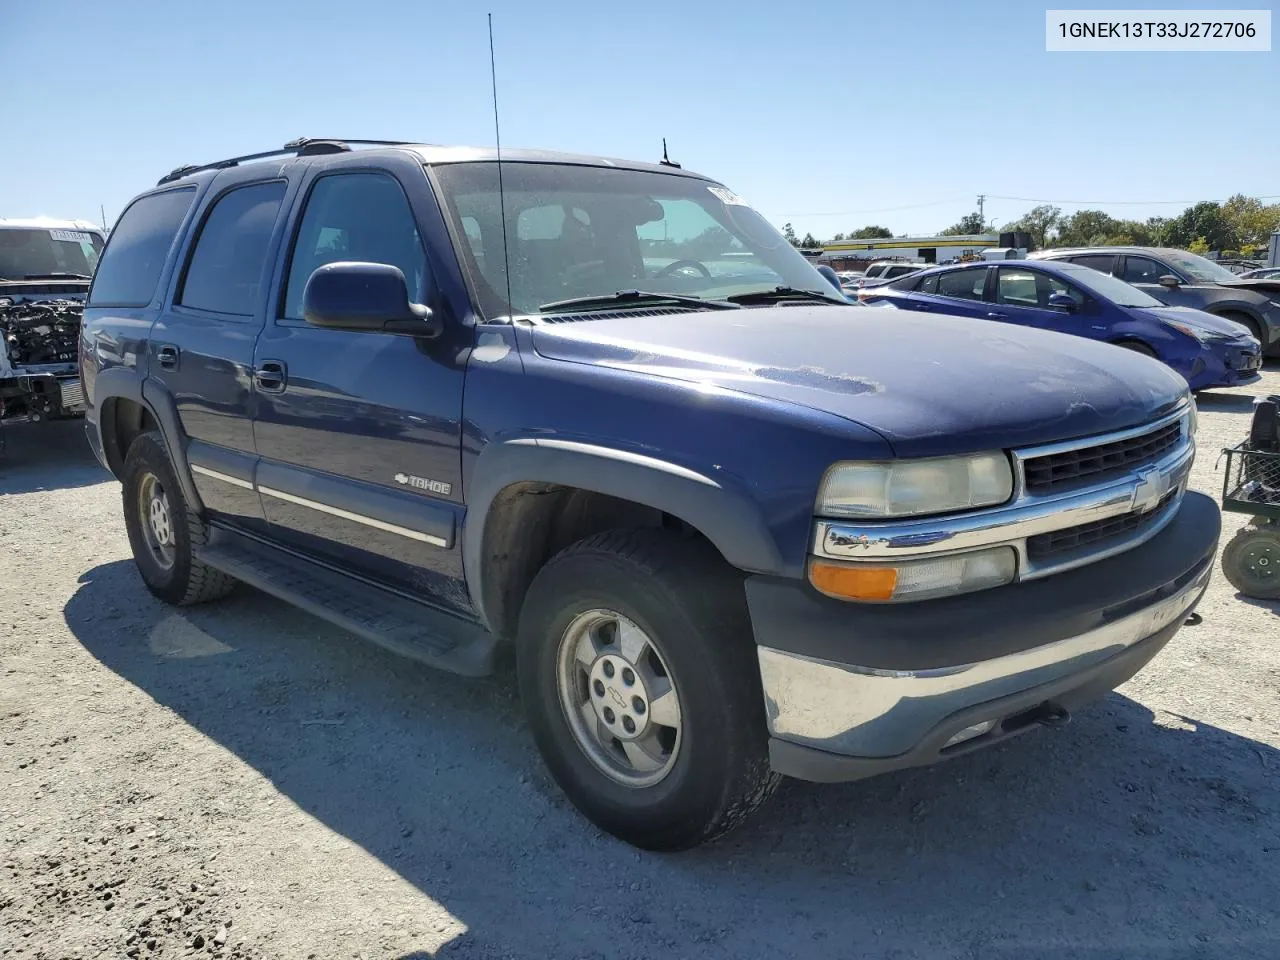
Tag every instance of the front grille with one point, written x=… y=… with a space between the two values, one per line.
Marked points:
x=1098 y=532
x=1053 y=471
x=72 y=394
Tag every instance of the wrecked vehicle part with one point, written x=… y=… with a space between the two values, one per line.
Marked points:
x=38 y=375
x=40 y=331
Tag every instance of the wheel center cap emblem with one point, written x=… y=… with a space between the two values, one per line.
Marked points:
x=617 y=698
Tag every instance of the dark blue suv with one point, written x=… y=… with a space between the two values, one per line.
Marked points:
x=733 y=526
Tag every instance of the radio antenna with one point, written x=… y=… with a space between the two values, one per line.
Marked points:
x=497 y=137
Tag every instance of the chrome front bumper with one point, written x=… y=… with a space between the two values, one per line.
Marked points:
x=880 y=714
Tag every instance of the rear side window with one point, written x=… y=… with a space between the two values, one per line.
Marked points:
x=139 y=245
x=1104 y=263
x=964 y=284
x=225 y=271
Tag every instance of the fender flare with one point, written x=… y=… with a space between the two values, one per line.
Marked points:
x=126 y=384
x=722 y=513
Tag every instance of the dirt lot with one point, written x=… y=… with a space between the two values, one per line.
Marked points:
x=244 y=781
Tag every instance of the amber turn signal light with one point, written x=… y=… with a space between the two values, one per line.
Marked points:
x=853 y=583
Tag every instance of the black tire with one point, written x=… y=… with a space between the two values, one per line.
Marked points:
x=690 y=603
x=1246 y=321
x=184 y=580
x=1251 y=561
x=1137 y=347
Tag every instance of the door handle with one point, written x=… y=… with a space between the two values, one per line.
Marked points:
x=993 y=315
x=167 y=356
x=923 y=306
x=271 y=376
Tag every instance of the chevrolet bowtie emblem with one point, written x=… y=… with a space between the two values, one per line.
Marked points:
x=1149 y=490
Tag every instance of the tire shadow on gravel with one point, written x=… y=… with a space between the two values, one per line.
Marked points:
x=1126 y=834
x=47 y=456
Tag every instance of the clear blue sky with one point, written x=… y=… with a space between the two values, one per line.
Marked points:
x=823 y=113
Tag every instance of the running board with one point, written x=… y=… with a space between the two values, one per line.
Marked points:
x=388 y=619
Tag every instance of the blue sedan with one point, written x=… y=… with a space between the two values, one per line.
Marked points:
x=1207 y=350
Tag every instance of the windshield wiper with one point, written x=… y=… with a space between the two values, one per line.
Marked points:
x=56 y=276
x=628 y=298
x=783 y=293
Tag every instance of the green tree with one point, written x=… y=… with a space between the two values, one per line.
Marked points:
x=970 y=223
x=1133 y=233
x=873 y=232
x=1199 y=245
x=1253 y=223
x=1038 y=221
x=1203 y=221
x=810 y=241
x=837 y=238
x=1085 y=228
x=789 y=235
x=1158 y=231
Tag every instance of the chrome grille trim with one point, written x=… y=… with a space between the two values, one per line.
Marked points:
x=1080 y=444
x=1140 y=488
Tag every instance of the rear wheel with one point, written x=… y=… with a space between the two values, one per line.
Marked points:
x=638 y=673
x=1251 y=561
x=163 y=530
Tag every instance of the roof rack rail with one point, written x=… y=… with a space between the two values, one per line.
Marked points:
x=302 y=147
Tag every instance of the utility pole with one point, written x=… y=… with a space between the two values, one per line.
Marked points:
x=982 y=199
x=103 y=210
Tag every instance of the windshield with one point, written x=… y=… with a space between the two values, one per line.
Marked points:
x=580 y=231
x=35 y=252
x=1109 y=288
x=1198 y=268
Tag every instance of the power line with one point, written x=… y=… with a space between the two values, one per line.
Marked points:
x=855 y=213
x=1116 y=203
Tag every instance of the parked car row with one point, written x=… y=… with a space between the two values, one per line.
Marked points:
x=1207 y=350
x=1182 y=279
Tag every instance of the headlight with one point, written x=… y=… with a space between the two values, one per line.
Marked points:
x=909 y=488
x=1201 y=335
x=915 y=579
x=1193 y=418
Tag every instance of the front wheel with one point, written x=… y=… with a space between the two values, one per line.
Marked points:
x=639 y=676
x=1251 y=561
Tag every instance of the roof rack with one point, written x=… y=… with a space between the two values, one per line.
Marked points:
x=302 y=147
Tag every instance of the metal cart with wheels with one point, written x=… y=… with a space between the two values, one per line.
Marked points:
x=1251 y=561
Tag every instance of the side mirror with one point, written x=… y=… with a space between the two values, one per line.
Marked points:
x=1169 y=280
x=830 y=274
x=368 y=297
x=1063 y=301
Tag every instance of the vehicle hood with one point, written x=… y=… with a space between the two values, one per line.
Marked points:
x=1199 y=319
x=929 y=385
x=20 y=291
x=1264 y=287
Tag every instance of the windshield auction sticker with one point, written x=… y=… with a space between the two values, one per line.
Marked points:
x=1213 y=31
x=727 y=196
x=69 y=236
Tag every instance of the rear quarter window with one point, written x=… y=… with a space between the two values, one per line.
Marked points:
x=130 y=266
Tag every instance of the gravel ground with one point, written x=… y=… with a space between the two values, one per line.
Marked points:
x=244 y=781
